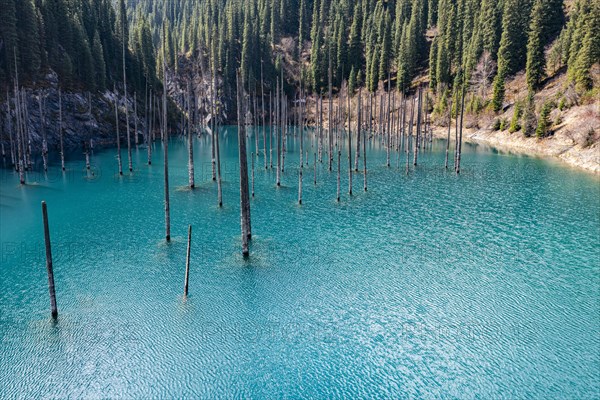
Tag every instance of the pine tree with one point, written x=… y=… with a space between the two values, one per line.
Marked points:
x=544 y=14
x=29 y=37
x=354 y=46
x=544 y=122
x=589 y=53
x=352 y=81
x=9 y=38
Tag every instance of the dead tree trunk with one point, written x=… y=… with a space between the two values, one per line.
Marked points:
x=135 y=120
x=262 y=100
x=252 y=158
x=417 y=137
x=190 y=139
x=187 y=261
x=166 y=155
x=271 y=129
x=44 y=138
x=244 y=203
x=120 y=164
x=330 y=122
x=358 y=129
x=364 y=148
x=278 y=135
x=49 y=268
x=20 y=143
x=349 y=147
x=339 y=167
x=459 y=145
x=449 y=104
x=60 y=131
x=219 y=179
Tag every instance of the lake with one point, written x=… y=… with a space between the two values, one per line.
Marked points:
x=429 y=284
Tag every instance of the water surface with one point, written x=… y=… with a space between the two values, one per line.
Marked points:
x=430 y=284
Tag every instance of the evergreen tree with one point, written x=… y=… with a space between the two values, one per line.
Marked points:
x=544 y=15
x=544 y=120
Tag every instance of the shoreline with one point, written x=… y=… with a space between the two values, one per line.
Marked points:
x=582 y=158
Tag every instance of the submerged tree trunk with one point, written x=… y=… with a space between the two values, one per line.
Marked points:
x=120 y=164
x=20 y=143
x=166 y=154
x=135 y=120
x=219 y=180
x=44 y=138
x=60 y=131
x=339 y=167
x=278 y=135
x=244 y=201
x=187 y=261
x=190 y=139
x=364 y=147
x=449 y=104
x=459 y=145
x=349 y=147
x=49 y=268
x=10 y=131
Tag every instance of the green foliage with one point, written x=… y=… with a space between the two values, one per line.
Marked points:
x=543 y=125
x=364 y=41
x=562 y=104
x=80 y=40
x=529 y=119
x=497 y=124
x=514 y=121
x=503 y=124
x=352 y=82
x=498 y=96
x=546 y=16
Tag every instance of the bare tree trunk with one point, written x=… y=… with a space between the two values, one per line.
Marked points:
x=129 y=160
x=278 y=135
x=219 y=180
x=166 y=154
x=449 y=103
x=129 y=157
x=388 y=122
x=190 y=144
x=320 y=128
x=135 y=120
x=271 y=129
x=262 y=100
x=339 y=174
x=349 y=146
x=417 y=137
x=462 y=110
x=13 y=158
x=49 y=269
x=330 y=122
x=315 y=166
x=410 y=129
x=252 y=158
x=358 y=129
x=149 y=128
x=364 y=147
x=44 y=138
x=20 y=144
x=187 y=261
x=120 y=165
x=244 y=203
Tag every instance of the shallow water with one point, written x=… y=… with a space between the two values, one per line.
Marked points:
x=430 y=284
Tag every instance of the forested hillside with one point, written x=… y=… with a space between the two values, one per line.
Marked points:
x=365 y=41
x=81 y=40
x=446 y=44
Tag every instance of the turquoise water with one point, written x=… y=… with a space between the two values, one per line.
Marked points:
x=428 y=285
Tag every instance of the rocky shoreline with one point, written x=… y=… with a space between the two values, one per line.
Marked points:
x=574 y=142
